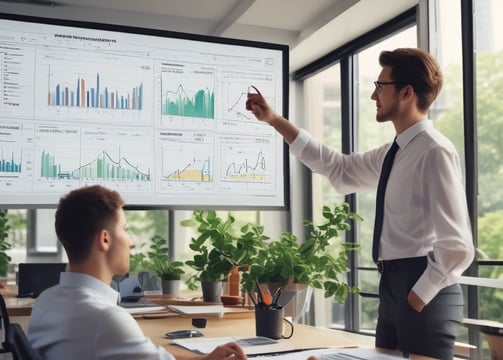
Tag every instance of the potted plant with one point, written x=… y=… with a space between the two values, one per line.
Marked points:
x=318 y=262
x=212 y=252
x=219 y=247
x=4 y=244
x=159 y=263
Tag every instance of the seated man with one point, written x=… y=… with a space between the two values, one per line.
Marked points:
x=79 y=318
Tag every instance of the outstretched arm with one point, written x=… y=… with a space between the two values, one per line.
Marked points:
x=259 y=106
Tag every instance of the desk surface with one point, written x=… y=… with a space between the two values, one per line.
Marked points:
x=304 y=336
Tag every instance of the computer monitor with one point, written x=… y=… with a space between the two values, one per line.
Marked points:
x=33 y=278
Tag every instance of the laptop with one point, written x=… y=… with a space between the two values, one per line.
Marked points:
x=132 y=295
x=33 y=278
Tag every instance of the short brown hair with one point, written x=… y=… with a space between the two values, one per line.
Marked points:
x=81 y=214
x=418 y=68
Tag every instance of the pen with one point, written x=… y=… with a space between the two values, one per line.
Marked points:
x=252 y=298
x=266 y=294
x=275 y=298
x=259 y=294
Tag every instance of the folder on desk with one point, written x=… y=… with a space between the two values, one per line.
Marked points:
x=206 y=310
x=250 y=347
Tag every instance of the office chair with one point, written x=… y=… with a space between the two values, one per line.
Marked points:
x=4 y=325
x=14 y=339
x=20 y=347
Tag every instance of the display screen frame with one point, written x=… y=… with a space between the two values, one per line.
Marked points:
x=231 y=141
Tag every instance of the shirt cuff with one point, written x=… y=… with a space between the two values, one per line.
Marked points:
x=300 y=142
x=425 y=291
x=427 y=287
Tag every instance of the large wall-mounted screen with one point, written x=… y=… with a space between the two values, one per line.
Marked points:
x=158 y=116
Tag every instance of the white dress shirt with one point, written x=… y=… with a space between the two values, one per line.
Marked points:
x=425 y=211
x=80 y=319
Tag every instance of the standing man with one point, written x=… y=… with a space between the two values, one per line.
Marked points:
x=79 y=318
x=425 y=240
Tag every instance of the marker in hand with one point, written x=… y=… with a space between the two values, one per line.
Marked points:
x=250 y=96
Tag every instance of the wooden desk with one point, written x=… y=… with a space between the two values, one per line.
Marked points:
x=17 y=306
x=304 y=336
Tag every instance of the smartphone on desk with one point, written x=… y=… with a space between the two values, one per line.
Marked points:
x=182 y=334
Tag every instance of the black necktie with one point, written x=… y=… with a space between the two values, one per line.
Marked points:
x=381 y=189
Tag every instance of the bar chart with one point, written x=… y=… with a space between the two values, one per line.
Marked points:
x=7 y=162
x=82 y=94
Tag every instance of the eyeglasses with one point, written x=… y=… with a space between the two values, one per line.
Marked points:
x=380 y=84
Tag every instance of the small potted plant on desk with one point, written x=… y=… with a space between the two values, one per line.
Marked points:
x=170 y=271
x=317 y=263
x=221 y=251
x=212 y=252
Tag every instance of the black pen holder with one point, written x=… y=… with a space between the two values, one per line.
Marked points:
x=270 y=322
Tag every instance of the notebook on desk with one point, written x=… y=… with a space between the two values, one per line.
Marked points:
x=33 y=278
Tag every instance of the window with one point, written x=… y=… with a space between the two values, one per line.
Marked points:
x=489 y=109
x=323 y=103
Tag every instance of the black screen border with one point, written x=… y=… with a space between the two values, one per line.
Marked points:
x=184 y=36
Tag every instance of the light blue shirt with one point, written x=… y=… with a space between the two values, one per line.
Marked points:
x=80 y=319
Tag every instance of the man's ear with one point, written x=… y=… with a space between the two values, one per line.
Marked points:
x=103 y=238
x=407 y=91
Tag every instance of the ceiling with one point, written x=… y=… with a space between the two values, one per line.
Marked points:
x=311 y=28
x=281 y=21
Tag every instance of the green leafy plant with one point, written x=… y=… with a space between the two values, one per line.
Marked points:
x=212 y=247
x=158 y=260
x=220 y=245
x=4 y=244
x=138 y=261
x=317 y=262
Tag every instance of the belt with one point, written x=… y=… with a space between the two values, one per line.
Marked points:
x=401 y=264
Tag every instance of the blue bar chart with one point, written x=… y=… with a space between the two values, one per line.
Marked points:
x=99 y=96
x=7 y=162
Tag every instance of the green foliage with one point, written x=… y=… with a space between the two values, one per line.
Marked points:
x=489 y=125
x=219 y=245
x=137 y=261
x=158 y=260
x=317 y=262
x=490 y=238
x=4 y=244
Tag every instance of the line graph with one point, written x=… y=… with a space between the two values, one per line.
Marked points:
x=102 y=167
x=248 y=169
x=179 y=103
x=237 y=110
x=195 y=170
x=186 y=161
x=233 y=87
x=187 y=90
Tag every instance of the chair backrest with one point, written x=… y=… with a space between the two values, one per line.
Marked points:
x=4 y=324
x=19 y=345
x=14 y=339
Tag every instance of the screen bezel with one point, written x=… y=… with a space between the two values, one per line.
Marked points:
x=184 y=36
